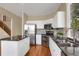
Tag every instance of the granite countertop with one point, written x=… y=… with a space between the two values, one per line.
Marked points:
x=68 y=50
x=14 y=38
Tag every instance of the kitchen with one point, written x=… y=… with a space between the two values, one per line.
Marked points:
x=52 y=32
x=33 y=32
x=44 y=32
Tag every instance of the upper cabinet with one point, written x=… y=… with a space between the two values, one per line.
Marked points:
x=59 y=20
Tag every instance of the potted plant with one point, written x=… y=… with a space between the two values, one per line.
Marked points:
x=60 y=34
x=75 y=27
x=75 y=20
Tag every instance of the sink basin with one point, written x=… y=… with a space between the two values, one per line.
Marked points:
x=64 y=44
x=68 y=43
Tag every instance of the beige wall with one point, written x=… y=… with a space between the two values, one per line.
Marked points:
x=17 y=27
x=17 y=21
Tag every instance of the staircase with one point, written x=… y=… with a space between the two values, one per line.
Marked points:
x=5 y=28
x=3 y=34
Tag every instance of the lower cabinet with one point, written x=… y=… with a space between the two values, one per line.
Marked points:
x=54 y=49
x=15 y=48
x=23 y=46
x=38 y=39
x=45 y=40
x=42 y=40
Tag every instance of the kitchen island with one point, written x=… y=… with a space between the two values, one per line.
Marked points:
x=15 y=46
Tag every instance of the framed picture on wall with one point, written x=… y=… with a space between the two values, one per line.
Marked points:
x=4 y=17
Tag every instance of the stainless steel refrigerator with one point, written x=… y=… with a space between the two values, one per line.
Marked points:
x=30 y=30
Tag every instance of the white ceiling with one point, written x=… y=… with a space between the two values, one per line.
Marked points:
x=31 y=9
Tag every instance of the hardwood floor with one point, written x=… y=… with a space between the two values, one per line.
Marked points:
x=38 y=51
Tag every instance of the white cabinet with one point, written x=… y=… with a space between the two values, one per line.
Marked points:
x=59 y=20
x=9 y=48
x=23 y=46
x=15 y=48
x=38 y=39
x=55 y=50
x=39 y=23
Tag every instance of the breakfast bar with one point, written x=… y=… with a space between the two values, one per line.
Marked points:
x=15 y=46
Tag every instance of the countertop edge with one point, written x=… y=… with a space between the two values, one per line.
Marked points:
x=15 y=38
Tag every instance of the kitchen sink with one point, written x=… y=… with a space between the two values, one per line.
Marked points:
x=64 y=44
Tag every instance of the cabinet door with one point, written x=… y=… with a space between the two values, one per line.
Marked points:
x=23 y=46
x=45 y=41
x=55 y=50
x=38 y=39
x=60 y=19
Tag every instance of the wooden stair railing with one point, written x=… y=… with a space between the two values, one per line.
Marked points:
x=5 y=28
